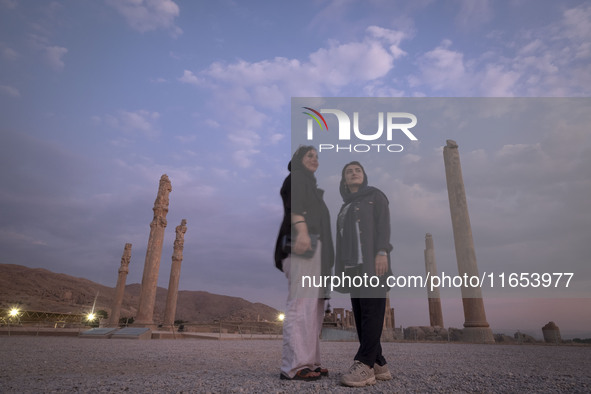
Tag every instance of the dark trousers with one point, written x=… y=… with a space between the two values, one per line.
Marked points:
x=369 y=320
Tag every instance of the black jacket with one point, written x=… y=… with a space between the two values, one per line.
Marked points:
x=369 y=208
x=301 y=195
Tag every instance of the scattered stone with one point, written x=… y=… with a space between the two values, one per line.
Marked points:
x=524 y=338
x=502 y=338
x=425 y=333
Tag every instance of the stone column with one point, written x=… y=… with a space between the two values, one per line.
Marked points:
x=551 y=333
x=389 y=322
x=145 y=314
x=175 y=274
x=435 y=314
x=476 y=328
x=349 y=319
x=120 y=288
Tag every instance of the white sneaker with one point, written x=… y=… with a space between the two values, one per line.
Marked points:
x=359 y=375
x=382 y=372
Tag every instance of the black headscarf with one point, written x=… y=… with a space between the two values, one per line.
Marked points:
x=298 y=156
x=344 y=189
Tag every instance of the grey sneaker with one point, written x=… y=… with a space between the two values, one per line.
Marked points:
x=359 y=375
x=382 y=372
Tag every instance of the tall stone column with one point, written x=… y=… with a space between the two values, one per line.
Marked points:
x=435 y=314
x=145 y=314
x=476 y=328
x=175 y=274
x=120 y=288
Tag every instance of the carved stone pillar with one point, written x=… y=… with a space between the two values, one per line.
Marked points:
x=120 y=288
x=476 y=328
x=434 y=298
x=145 y=314
x=175 y=274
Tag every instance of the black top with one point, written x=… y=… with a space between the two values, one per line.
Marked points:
x=369 y=209
x=301 y=196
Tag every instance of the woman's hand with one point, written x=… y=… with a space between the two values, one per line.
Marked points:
x=381 y=265
x=302 y=243
x=302 y=240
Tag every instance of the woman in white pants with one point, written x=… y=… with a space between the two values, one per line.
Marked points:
x=306 y=224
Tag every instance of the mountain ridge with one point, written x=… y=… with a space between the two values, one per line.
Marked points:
x=39 y=289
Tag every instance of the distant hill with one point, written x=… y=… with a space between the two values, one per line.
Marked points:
x=38 y=289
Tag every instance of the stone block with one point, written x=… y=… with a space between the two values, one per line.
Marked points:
x=133 y=333
x=101 y=333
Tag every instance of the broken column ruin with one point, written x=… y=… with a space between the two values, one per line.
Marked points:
x=551 y=333
x=120 y=288
x=145 y=314
x=435 y=313
x=175 y=274
x=389 y=321
x=476 y=328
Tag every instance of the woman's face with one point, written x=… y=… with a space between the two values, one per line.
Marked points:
x=354 y=176
x=310 y=160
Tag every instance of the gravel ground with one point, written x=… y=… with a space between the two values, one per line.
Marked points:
x=70 y=364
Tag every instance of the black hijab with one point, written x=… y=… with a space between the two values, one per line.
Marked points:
x=344 y=189
x=298 y=156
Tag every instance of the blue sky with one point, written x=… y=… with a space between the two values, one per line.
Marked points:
x=98 y=99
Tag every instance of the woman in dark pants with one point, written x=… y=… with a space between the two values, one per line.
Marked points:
x=363 y=248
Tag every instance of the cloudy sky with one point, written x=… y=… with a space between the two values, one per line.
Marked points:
x=98 y=99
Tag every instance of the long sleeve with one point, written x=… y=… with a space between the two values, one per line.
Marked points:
x=382 y=223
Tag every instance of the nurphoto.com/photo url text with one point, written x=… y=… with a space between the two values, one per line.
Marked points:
x=521 y=280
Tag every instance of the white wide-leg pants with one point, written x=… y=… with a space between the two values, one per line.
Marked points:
x=303 y=316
